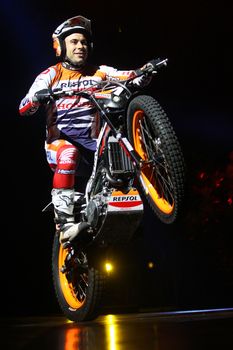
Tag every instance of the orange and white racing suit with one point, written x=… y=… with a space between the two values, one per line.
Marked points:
x=72 y=122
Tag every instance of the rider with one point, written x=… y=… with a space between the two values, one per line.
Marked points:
x=72 y=123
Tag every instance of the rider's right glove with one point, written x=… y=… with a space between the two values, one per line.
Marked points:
x=43 y=97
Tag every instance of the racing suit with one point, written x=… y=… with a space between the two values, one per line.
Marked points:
x=72 y=124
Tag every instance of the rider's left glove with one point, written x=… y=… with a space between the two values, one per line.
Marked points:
x=144 y=79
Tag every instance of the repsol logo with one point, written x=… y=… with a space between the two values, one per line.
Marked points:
x=81 y=83
x=124 y=198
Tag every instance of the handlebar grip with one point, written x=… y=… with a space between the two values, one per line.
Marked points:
x=43 y=96
x=158 y=63
x=139 y=71
x=153 y=65
x=34 y=99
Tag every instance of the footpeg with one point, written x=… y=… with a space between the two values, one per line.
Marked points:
x=81 y=232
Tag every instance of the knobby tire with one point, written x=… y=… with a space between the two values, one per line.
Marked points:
x=162 y=175
x=79 y=291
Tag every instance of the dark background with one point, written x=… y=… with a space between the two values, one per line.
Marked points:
x=193 y=260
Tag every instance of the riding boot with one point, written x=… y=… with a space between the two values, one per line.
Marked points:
x=63 y=202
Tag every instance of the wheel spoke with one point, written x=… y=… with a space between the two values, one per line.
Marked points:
x=84 y=279
x=75 y=277
x=81 y=293
x=157 y=168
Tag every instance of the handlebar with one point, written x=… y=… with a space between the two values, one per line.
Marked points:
x=158 y=63
x=152 y=66
x=46 y=95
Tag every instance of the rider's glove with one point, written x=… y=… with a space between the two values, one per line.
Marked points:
x=43 y=97
x=149 y=69
x=153 y=65
x=144 y=79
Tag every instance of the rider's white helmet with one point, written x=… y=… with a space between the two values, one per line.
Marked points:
x=77 y=24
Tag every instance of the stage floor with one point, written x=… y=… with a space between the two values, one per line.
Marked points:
x=194 y=329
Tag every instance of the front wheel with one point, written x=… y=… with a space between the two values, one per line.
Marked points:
x=162 y=174
x=78 y=284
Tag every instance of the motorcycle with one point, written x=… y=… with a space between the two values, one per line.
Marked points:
x=138 y=160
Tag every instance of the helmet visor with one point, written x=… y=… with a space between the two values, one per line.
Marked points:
x=77 y=22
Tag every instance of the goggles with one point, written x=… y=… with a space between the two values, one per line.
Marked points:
x=78 y=22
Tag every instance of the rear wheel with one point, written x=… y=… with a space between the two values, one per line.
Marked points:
x=78 y=284
x=162 y=175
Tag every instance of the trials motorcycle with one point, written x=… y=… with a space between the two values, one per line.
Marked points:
x=138 y=159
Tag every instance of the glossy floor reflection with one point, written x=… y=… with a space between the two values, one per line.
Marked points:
x=200 y=329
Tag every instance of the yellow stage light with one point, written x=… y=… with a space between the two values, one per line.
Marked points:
x=108 y=267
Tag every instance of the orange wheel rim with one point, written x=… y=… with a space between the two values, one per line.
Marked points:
x=146 y=173
x=67 y=288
